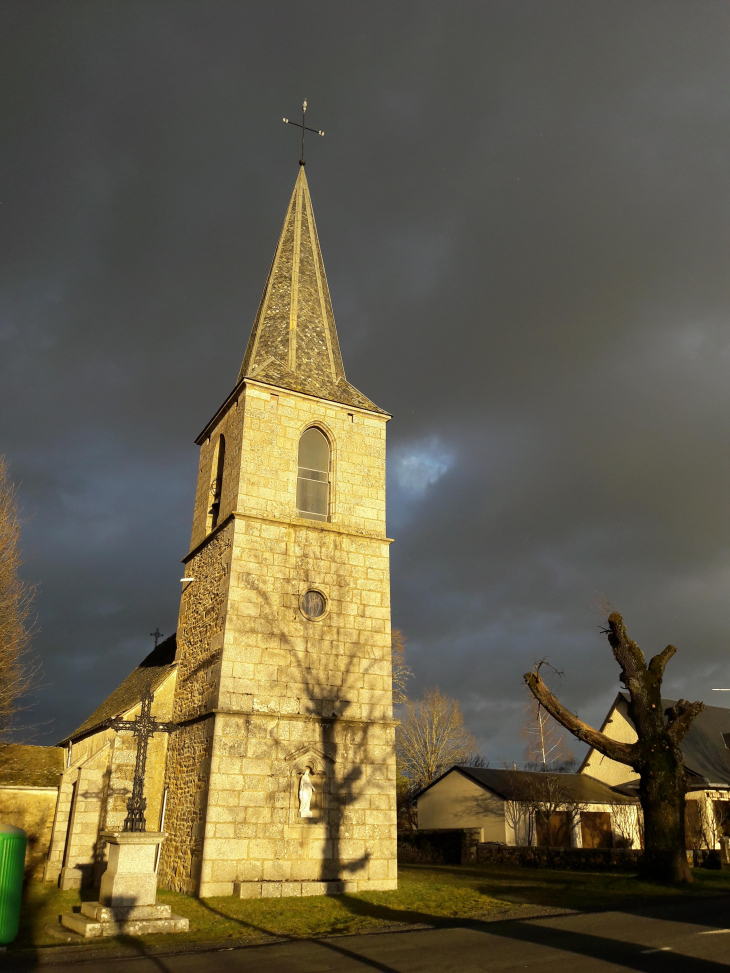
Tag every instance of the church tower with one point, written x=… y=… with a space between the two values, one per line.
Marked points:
x=281 y=778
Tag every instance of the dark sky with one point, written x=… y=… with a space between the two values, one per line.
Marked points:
x=525 y=220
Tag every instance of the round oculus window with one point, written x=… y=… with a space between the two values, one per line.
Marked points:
x=313 y=604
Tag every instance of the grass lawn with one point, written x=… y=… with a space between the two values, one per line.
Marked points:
x=428 y=894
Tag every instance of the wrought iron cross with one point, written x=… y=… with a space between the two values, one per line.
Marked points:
x=156 y=635
x=143 y=728
x=304 y=128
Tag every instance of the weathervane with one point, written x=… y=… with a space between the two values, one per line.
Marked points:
x=304 y=128
x=143 y=727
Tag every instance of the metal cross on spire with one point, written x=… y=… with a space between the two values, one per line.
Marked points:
x=304 y=128
x=156 y=635
x=143 y=728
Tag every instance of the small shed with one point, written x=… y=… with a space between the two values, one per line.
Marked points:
x=515 y=807
x=29 y=780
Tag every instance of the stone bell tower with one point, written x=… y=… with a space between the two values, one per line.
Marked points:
x=281 y=780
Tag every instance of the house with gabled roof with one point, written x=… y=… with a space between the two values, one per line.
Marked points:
x=706 y=752
x=516 y=807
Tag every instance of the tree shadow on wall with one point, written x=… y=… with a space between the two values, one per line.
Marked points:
x=343 y=734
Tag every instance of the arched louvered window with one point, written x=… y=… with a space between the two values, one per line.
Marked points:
x=313 y=486
x=216 y=483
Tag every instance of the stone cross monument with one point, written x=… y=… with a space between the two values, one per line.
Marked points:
x=128 y=894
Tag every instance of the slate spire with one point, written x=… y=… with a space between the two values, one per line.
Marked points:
x=293 y=343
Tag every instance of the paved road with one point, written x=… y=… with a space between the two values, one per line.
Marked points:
x=682 y=937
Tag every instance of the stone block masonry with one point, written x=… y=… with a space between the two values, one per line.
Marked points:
x=187 y=780
x=264 y=692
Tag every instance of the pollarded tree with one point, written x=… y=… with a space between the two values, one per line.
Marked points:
x=656 y=756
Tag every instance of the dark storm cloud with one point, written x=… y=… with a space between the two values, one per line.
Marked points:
x=524 y=215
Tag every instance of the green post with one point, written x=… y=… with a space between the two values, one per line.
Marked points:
x=12 y=864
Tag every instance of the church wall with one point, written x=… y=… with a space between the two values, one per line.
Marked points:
x=122 y=762
x=230 y=426
x=277 y=661
x=81 y=844
x=59 y=828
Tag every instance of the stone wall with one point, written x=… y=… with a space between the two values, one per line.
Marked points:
x=200 y=630
x=230 y=425
x=32 y=809
x=187 y=782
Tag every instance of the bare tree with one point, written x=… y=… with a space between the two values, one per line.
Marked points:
x=546 y=748
x=477 y=760
x=401 y=672
x=432 y=737
x=16 y=672
x=656 y=755
x=538 y=797
x=520 y=819
x=704 y=822
x=547 y=795
x=405 y=801
x=626 y=821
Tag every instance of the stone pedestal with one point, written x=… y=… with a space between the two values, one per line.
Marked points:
x=127 y=898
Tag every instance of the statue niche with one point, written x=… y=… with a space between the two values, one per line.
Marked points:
x=309 y=774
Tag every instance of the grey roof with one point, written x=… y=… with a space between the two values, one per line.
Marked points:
x=151 y=671
x=27 y=766
x=705 y=754
x=519 y=785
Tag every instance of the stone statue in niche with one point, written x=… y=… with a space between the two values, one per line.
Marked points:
x=305 y=794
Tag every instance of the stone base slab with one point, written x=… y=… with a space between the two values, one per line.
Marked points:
x=107 y=913
x=122 y=922
x=276 y=890
x=70 y=878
